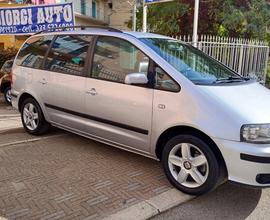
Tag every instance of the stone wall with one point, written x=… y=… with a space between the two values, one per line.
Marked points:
x=121 y=13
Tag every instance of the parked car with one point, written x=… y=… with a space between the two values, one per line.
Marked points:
x=6 y=68
x=5 y=80
x=152 y=95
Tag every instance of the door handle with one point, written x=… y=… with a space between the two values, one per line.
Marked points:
x=92 y=92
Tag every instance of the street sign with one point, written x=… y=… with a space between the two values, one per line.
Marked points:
x=148 y=2
x=31 y=19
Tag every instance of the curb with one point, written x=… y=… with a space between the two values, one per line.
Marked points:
x=10 y=116
x=9 y=122
x=10 y=128
x=31 y=140
x=152 y=207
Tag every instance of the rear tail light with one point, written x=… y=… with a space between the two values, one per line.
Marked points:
x=11 y=78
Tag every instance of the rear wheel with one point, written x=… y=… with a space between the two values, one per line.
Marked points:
x=32 y=118
x=7 y=94
x=190 y=165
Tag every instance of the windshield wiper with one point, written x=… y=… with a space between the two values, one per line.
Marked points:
x=230 y=79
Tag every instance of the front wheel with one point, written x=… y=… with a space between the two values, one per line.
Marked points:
x=32 y=118
x=7 y=94
x=190 y=165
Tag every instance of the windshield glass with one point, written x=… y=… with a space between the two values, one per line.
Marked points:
x=191 y=62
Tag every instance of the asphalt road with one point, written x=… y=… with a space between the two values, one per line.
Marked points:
x=229 y=201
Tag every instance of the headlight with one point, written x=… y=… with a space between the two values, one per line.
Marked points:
x=259 y=133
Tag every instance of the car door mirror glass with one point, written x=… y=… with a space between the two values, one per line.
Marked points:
x=136 y=78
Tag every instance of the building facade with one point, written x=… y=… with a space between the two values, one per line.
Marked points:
x=91 y=12
x=113 y=13
x=120 y=14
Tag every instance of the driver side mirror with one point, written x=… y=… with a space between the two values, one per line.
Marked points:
x=136 y=78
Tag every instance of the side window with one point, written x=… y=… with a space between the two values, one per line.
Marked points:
x=114 y=58
x=33 y=51
x=164 y=82
x=68 y=54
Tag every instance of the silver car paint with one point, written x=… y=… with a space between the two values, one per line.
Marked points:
x=217 y=111
x=65 y=91
x=134 y=109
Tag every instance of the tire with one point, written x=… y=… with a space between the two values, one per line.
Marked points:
x=32 y=118
x=190 y=165
x=7 y=95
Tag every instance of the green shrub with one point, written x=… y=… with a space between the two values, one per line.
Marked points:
x=7 y=54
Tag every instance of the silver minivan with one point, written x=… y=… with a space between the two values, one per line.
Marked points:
x=151 y=95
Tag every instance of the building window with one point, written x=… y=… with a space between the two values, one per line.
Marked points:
x=94 y=9
x=83 y=7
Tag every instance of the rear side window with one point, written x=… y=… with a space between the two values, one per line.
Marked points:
x=33 y=51
x=68 y=54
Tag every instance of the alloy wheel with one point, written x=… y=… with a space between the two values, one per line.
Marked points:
x=30 y=116
x=8 y=96
x=188 y=165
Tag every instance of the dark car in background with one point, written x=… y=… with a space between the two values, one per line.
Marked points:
x=5 y=80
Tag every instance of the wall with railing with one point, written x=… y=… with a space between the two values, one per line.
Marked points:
x=247 y=57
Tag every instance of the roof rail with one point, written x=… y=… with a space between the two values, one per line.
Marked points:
x=75 y=27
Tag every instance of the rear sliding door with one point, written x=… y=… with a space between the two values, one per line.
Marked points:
x=65 y=65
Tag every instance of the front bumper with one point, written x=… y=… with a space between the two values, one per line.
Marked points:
x=246 y=163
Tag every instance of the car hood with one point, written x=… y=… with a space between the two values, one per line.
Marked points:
x=250 y=102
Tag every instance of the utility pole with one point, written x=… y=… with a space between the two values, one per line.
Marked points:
x=144 y=17
x=195 y=23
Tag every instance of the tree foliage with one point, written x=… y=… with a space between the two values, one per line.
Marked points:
x=246 y=18
x=233 y=18
x=164 y=18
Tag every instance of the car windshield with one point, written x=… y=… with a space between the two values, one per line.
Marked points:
x=191 y=62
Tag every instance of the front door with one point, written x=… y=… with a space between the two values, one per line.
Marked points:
x=116 y=111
